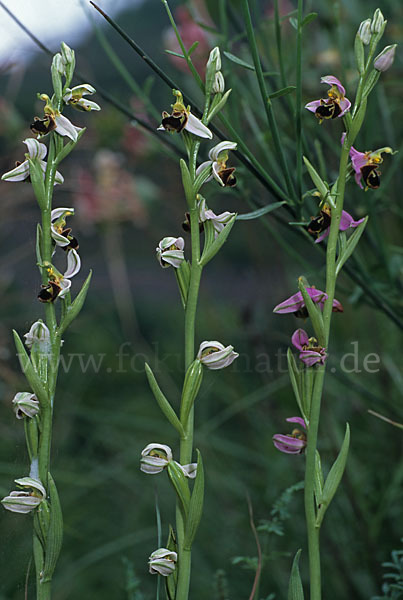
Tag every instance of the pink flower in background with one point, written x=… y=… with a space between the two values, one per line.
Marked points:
x=293 y=443
x=335 y=105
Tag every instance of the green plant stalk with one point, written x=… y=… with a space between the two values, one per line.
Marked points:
x=363 y=77
x=266 y=100
x=186 y=442
x=298 y=102
x=310 y=512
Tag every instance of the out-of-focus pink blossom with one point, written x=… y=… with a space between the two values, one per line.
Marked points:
x=293 y=443
x=190 y=32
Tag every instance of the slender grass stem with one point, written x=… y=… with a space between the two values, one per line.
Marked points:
x=298 y=102
x=266 y=100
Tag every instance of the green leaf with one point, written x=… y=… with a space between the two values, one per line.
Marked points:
x=71 y=311
x=55 y=533
x=211 y=250
x=38 y=246
x=317 y=180
x=196 y=504
x=260 y=211
x=202 y=177
x=67 y=148
x=295 y=589
x=193 y=47
x=29 y=371
x=334 y=477
x=283 y=92
x=295 y=377
x=174 y=53
x=308 y=377
x=238 y=61
x=38 y=184
x=294 y=22
x=187 y=183
x=370 y=83
x=309 y=17
x=359 y=54
x=191 y=386
x=182 y=275
x=163 y=403
x=315 y=314
x=350 y=245
x=217 y=105
x=318 y=480
x=180 y=484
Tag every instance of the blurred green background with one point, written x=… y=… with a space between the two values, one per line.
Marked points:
x=125 y=186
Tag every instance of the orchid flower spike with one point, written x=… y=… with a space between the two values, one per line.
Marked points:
x=25 y=405
x=154 y=458
x=296 y=304
x=60 y=234
x=162 y=562
x=170 y=252
x=36 y=151
x=54 y=121
x=335 y=105
x=218 y=163
x=59 y=285
x=320 y=225
x=293 y=443
x=215 y=355
x=310 y=351
x=74 y=97
x=181 y=118
x=28 y=498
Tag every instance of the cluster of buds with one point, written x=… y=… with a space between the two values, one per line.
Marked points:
x=215 y=83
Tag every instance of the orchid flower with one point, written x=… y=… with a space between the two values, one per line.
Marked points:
x=38 y=335
x=170 y=252
x=36 y=151
x=215 y=355
x=25 y=500
x=310 y=352
x=365 y=165
x=181 y=118
x=296 y=303
x=25 y=405
x=60 y=234
x=162 y=562
x=59 y=285
x=218 y=156
x=218 y=221
x=293 y=443
x=335 y=105
x=74 y=97
x=155 y=457
x=54 y=121
x=321 y=223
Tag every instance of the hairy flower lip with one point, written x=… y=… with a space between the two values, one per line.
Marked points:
x=346 y=222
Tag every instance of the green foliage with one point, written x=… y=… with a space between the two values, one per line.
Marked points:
x=392 y=589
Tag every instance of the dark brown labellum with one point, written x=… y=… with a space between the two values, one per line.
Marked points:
x=328 y=110
x=49 y=292
x=227 y=176
x=43 y=126
x=370 y=175
x=320 y=223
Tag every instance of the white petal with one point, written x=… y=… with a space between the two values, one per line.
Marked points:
x=31 y=483
x=60 y=239
x=58 y=212
x=58 y=178
x=155 y=446
x=225 y=145
x=73 y=264
x=65 y=285
x=84 y=89
x=65 y=127
x=201 y=168
x=86 y=105
x=35 y=148
x=18 y=174
x=195 y=126
x=216 y=176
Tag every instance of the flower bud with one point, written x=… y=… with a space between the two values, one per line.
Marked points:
x=385 y=59
x=364 y=31
x=154 y=458
x=162 y=562
x=170 y=252
x=215 y=355
x=214 y=59
x=68 y=55
x=25 y=501
x=378 y=22
x=38 y=334
x=25 y=405
x=219 y=83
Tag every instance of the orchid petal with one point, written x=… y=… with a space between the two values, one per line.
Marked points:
x=300 y=339
x=18 y=174
x=298 y=420
x=288 y=444
x=331 y=80
x=73 y=264
x=312 y=106
x=195 y=126
x=345 y=106
x=64 y=127
x=35 y=149
x=215 y=152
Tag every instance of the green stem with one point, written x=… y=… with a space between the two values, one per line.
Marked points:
x=266 y=100
x=186 y=442
x=298 y=102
